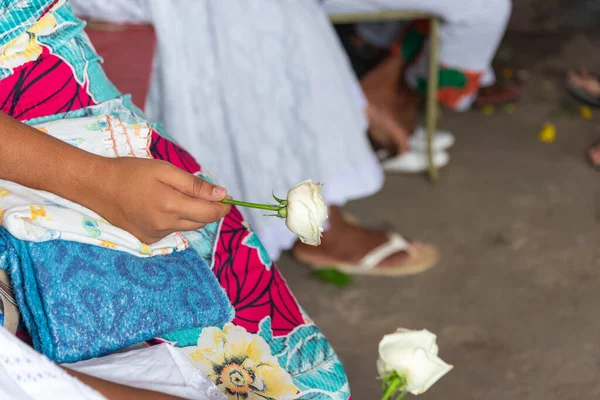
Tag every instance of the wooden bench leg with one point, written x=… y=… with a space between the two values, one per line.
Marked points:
x=431 y=117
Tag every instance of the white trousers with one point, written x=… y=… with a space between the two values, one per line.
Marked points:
x=470 y=34
x=471 y=29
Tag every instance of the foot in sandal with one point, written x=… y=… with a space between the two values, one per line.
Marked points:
x=497 y=94
x=584 y=86
x=594 y=155
x=356 y=250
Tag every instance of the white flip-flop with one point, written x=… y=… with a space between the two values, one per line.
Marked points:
x=421 y=258
x=413 y=162
x=442 y=140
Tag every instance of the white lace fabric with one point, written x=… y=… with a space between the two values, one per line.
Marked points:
x=161 y=368
x=28 y=375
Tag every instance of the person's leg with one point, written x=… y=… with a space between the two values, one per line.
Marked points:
x=470 y=34
x=469 y=42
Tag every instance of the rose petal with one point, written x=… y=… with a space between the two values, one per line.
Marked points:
x=425 y=370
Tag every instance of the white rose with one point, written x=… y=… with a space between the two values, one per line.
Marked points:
x=306 y=212
x=413 y=355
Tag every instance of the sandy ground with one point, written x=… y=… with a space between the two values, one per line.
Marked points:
x=515 y=298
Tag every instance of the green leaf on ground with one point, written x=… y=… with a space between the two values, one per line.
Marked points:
x=540 y=97
x=332 y=276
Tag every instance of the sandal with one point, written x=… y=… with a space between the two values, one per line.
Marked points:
x=595 y=161
x=505 y=94
x=442 y=140
x=413 y=162
x=422 y=258
x=584 y=87
x=582 y=95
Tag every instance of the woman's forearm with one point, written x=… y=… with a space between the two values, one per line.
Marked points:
x=39 y=161
x=148 y=198
x=115 y=391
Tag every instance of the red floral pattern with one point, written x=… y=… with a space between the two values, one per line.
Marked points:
x=254 y=291
x=42 y=87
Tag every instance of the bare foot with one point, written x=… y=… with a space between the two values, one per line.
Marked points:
x=392 y=111
x=346 y=242
x=385 y=130
x=594 y=155
x=584 y=80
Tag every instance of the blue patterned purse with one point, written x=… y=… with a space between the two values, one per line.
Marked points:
x=80 y=301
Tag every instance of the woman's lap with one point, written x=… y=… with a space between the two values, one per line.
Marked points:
x=267 y=315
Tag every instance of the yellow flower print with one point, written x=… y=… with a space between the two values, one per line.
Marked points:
x=37 y=212
x=4 y=192
x=25 y=47
x=108 y=245
x=2 y=211
x=144 y=248
x=138 y=128
x=241 y=365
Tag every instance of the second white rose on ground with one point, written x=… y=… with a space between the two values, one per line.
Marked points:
x=414 y=356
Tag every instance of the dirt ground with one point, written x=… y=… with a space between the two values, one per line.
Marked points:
x=515 y=298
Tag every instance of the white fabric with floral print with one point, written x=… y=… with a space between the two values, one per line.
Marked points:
x=40 y=216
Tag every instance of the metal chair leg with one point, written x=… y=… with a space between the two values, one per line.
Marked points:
x=431 y=117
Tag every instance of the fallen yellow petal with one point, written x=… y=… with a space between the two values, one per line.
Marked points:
x=586 y=113
x=488 y=109
x=509 y=108
x=548 y=133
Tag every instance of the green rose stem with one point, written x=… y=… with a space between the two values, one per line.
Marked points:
x=395 y=383
x=281 y=209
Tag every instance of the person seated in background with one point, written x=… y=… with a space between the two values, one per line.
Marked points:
x=51 y=75
x=263 y=93
x=585 y=87
x=470 y=34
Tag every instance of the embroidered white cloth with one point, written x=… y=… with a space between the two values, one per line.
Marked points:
x=40 y=216
x=28 y=375
x=161 y=368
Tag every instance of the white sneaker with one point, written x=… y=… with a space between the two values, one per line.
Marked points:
x=413 y=162
x=442 y=140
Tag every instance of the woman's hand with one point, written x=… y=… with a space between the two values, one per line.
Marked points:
x=385 y=129
x=152 y=199
x=148 y=198
x=116 y=391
